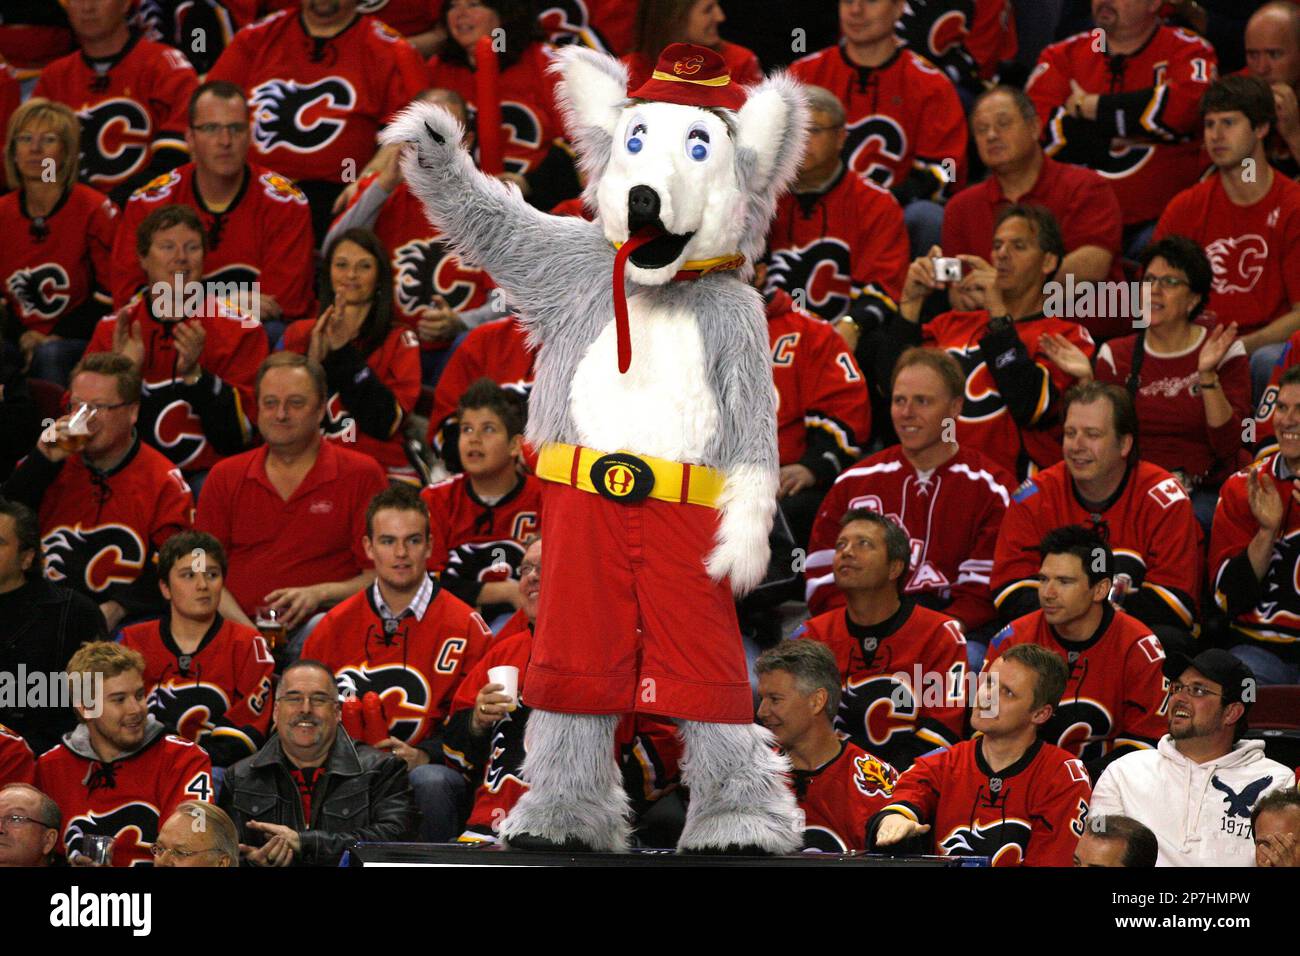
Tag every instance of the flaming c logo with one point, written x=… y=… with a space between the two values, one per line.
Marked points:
x=690 y=66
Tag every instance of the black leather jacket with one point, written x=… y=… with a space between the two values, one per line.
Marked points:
x=365 y=796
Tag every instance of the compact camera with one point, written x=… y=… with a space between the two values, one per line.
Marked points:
x=947 y=270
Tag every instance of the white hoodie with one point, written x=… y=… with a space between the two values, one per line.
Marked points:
x=1199 y=812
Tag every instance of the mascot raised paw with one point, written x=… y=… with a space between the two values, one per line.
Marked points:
x=655 y=418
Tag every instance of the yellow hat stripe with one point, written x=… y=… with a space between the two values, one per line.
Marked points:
x=716 y=81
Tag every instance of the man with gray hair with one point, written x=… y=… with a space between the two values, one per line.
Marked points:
x=312 y=792
x=838 y=245
x=29 y=826
x=839 y=785
x=1273 y=55
x=197 y=834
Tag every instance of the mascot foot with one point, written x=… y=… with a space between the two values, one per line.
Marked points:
x=575 y=800
x=732 y=849
x=740 y=802
x=535 y=844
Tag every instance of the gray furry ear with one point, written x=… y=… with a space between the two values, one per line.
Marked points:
x=591 y=91
x=773 y=125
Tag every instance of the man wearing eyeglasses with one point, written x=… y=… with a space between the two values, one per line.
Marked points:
x=1197 y=789
x=257 y=222
x=312 y=791
x=29 y=826
x=104 y=512
x=197 y=834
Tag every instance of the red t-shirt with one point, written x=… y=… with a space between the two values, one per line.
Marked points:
x=497 y=350
x=1171 y=412
x=271 y=543
x=17 y=762
x=1254 y=250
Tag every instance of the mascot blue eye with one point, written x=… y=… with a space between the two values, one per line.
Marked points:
x=635 y=132
x=697 y=143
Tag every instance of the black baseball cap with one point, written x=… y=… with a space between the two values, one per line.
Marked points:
x=1219 y=666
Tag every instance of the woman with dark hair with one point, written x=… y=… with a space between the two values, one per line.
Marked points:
x=530 y=120
x=372 y=365
x=1190 y=379
x=58 y=242
x=663 y=22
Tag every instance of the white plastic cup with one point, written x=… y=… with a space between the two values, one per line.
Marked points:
x=508 y=677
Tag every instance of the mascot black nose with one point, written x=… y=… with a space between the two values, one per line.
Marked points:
x=642 y=208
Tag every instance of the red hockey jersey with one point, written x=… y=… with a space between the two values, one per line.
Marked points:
x=100 y=531
x=1116 y=695
x=423 y=265
x=132 y=109
x=318 y=104
x=414 y=666
x=986 y=423
x=263 y=236
x=497 y=350
x=904 y=679
x=405 y=16
x=902 y=116
x=128 y=798
x=49 y=275
x=183 y=421
x=1266 y=611
x=823 y=410
x=17 y=762
x=606 y=25
x=1265 y=439
x=1148 y=524
x=840 y=797
x=839 y=244
x=951 y=515
x=1028 y=814
x=1146 y=138
x=469 y=538
x=530 y=119
x=1175 y=434
x=967 y=39
x=396 y=367
x=648 y=748
x=315 y=536
x=1254 y=250
x=219 y=696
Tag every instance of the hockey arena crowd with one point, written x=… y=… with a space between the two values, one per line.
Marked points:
x=1033 y=305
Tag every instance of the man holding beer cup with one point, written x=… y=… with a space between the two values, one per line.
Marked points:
x=106 y=501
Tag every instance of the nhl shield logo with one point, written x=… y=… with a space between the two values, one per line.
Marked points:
x=622 y=477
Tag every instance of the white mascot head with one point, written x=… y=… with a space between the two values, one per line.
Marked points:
x=689 y=162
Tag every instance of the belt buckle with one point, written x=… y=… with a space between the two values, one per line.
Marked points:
x=622 y=477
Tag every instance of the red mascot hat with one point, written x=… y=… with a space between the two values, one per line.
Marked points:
x=690 y=75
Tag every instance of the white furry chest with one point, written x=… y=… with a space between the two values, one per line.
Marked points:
x=663 y=406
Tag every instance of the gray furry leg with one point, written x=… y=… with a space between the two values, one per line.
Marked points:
x=739 y=793
x=575 y=788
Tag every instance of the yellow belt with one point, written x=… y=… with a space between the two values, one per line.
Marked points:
x=621 y=475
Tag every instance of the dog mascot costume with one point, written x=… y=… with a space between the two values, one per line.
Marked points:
x=654 y=415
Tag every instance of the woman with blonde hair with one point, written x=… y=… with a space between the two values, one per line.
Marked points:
x=58 y=239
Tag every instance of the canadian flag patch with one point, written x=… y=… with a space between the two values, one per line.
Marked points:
x=1168 y=492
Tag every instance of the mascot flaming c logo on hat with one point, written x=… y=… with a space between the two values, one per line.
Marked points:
x=655 y=415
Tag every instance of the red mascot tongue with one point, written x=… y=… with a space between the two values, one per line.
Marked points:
x=688 y=76
x=643 y=235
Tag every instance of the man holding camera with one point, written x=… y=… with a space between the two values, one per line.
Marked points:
x=1017 y=361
